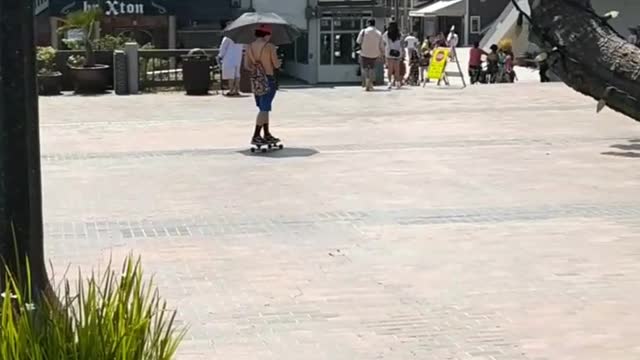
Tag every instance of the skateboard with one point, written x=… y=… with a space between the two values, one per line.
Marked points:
x=263 y=148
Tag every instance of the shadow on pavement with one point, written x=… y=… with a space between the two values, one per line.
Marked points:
x=281 y=154
x=631 y=150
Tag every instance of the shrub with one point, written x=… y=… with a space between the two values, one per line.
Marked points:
x=46 y=60
x=114 y=316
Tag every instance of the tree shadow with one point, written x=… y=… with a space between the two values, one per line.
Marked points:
x=631 y=150
x=281 y=154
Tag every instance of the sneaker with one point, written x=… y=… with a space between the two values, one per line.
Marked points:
x=258 y=140
x=271 y=139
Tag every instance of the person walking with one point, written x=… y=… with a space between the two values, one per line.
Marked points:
x=452 y=41
x=261 y=59
x=425 y=58
x=371 y=49
x=475 y=62
x=394 y=51
x=230 y=58
x=411 y=43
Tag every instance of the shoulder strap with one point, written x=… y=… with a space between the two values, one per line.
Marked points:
x=258 y=59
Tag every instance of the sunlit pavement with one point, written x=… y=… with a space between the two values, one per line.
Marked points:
x=498 y=222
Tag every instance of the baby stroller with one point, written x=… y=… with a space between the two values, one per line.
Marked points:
x=414 y=68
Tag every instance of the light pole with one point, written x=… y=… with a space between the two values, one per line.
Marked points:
x=21 y=233
x=397 y=4
x=467 y=24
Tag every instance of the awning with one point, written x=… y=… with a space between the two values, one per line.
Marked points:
x=441 y=8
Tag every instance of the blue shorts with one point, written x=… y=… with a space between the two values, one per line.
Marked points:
x=264 y=102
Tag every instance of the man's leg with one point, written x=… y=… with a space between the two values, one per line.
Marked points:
x=268 y=136
x=257 y=139
x=265 y=126
x=370 y=76
x=236 y=86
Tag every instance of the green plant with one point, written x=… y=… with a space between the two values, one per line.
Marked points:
x=110 y=42
x=115 y=316
x=87 y=22
x=46 y=60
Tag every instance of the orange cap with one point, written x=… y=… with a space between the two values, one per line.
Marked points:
x=266 y=28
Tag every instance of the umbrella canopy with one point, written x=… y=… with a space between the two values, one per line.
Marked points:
x=242 y=31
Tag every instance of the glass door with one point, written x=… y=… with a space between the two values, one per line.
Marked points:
x=339 y=61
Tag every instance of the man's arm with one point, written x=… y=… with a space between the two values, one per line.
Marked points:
x=274 y=57
x=223 y=48
x=248 y=59
x=360 y=37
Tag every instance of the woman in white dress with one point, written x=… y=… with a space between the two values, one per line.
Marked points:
x=230 y=57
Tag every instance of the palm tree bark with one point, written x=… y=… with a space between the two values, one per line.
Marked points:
x=21 y=228
x=587 y=53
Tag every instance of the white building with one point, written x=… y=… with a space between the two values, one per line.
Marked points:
x=326 y=52
x=507 y=24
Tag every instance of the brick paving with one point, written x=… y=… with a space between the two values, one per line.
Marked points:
x=417 y=224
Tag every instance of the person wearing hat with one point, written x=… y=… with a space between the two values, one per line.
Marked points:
x=262 y=57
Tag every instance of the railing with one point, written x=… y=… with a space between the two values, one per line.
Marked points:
x=160 y=68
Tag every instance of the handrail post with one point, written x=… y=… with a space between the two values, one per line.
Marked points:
x=133 y=71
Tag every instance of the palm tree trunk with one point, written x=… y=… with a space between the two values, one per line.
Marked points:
x=587 y=53
x=90 y=54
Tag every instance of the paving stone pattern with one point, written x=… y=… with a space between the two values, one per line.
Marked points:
x=497 y=222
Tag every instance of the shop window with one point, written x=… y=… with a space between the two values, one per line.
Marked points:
x=338 y=39
x=347 y=24
x=344 y=49
x=302 y=48
x=325 y=24
x=325 y=49
x=476 y=25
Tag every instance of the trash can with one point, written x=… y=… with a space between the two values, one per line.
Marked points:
x=196 y=72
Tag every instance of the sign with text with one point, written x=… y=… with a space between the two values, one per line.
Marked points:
x=114 y=7
x=438 y=63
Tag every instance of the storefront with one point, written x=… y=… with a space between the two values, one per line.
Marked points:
x=147 y=21
x=327 y=50
x=338 y=48
x=163 y=23
x=440 y=16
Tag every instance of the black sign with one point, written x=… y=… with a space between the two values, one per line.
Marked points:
x=114 y=7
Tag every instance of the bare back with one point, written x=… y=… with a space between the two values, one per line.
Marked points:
x=264 y=53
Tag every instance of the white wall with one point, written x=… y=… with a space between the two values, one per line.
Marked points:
x=629 y=13
x=303 y=72
x=291 y=10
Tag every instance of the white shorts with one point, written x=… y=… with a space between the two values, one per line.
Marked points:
x=230 y=72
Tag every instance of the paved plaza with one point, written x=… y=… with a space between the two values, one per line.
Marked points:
x=498 y=222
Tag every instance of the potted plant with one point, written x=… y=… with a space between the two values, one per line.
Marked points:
x=49 y=79
x=88 y=76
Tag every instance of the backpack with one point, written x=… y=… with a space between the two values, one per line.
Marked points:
x=259 y=80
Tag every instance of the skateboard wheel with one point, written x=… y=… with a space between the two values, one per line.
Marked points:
x=281 y=146
x=253 y=150
x=264 y=151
